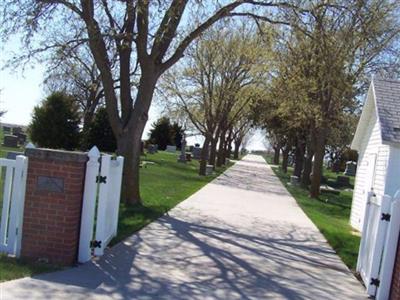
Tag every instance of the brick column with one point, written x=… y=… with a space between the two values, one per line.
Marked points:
x=53 y=205
x=395 y=289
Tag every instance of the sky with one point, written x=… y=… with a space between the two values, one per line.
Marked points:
x=21 y=90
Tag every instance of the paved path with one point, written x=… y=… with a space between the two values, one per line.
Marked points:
x=240 y=237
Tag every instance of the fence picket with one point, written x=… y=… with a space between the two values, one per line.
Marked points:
x=6 y=208
x=89 y=205
x=102 y=204
x=15 y=210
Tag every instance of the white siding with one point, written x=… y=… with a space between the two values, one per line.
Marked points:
x=371 y=144
x=393 y=172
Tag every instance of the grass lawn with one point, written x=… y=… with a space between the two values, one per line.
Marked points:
x=164 y=183
x=330 y=213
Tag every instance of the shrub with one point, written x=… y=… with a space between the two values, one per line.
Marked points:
x=55 y=123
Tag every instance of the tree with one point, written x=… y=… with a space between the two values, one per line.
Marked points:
x=73 y=71
x=145 y=38
x=99 y=133
x=55 y=123
x=216 y=85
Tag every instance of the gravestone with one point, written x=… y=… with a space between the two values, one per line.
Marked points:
x=6 y=129
x=188 y=156
x=182 y=156
x=351 y=168
x=151 y=149
x=171 y=149
x=294 y=180
x=196 y=152
x=10 y=141
x=13 y=155
x=343 y=181
x=209 y=170
x=21 y=138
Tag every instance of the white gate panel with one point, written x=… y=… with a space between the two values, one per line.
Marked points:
x=99 y=219
x=13 y=204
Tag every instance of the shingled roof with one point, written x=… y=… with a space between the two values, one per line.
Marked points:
x=387 y=99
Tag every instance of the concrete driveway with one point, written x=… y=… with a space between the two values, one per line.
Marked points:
x=240 y=237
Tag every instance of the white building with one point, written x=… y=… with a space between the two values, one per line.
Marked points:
x=377 y=141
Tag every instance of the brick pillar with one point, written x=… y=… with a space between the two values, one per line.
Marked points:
x=53 y=205
x=395 y=289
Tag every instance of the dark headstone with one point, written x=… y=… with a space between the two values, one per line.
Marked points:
x=351 y=168
x=151 y=149
x=196 y=153
x=6 y=129
x=294 y=180
x=10 y=141
x=13 y=155
x=343 y=181
x=188 y=156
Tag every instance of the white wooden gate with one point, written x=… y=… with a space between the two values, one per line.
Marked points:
x=101 y=200
x=379 y=243
x=12 y=213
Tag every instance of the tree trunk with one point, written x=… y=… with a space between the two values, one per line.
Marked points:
x=305 y=175
x=285 y=159
x=203 y=156
x=236 y=151
x=213 y=151
x=299 y=159
x=221 y=149
x=277 y=151
x=318 y=164
x=129 y=141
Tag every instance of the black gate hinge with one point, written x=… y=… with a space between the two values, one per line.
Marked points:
x=101 y=179
x=385 y=217
x=95 y=244
x=375 y=281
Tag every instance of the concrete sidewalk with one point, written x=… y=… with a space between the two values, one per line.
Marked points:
x=240 y=237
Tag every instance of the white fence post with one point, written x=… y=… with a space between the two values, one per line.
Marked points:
x=21 y=203
x=361 y=252
x=102 y=204
x=17 y=205
x=390 y=250
x=89 y=205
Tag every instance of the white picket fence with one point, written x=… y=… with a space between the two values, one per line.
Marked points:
x=378 y=245
x=100 y=206
x=12 y=212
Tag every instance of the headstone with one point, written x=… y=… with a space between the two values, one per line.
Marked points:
x=182 y=156
x=171 y=148
x=6 y=129
x=13 y=155
x=209 y=170
x=196 y=153
x=21 y=138
x=294 y=180
x=151 y=149
x=10 y=141
x=188 y=156
x=343 y=180
x=351 y=168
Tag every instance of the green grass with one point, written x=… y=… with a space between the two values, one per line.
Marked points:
x=163 y=185
x=330 y=213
